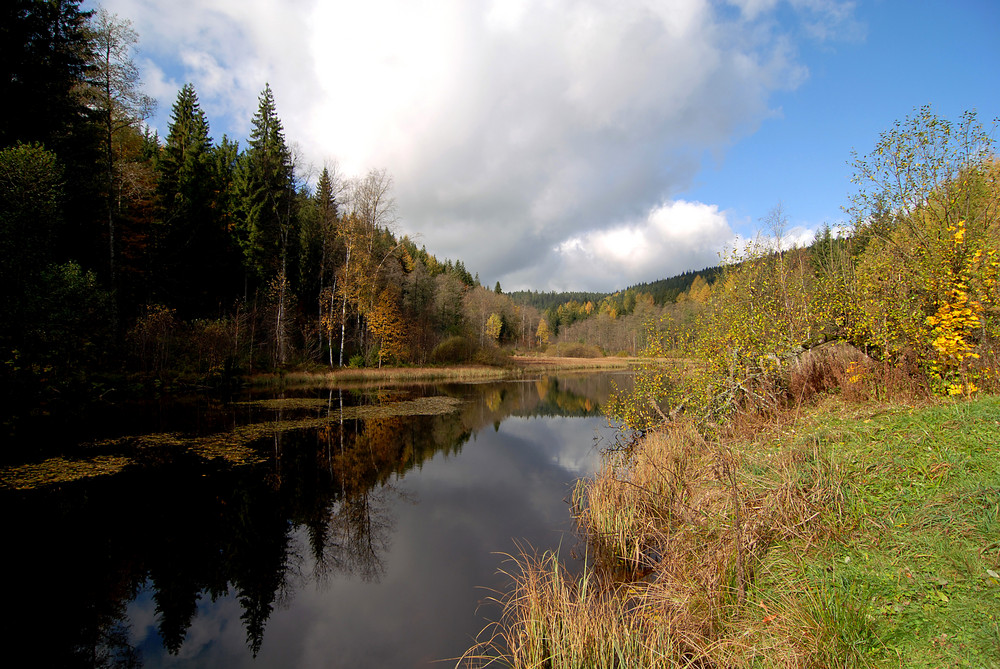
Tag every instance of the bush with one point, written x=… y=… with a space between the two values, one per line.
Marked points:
x=838 y=367
x=152 y=337
x=356 y=362
x=493 y=356
x=452 y=350
x=575 y=350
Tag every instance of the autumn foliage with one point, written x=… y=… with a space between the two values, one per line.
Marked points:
x=907 y=294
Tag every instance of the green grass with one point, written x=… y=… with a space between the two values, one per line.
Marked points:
x=906 y=577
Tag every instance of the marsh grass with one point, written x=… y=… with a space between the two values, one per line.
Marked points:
x=855 y=536
x=514 y=367
x=554 y=619
x=368 y=376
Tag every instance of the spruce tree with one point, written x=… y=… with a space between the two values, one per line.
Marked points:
x=44 y=60
x=319 y=243
x=192 y=241
x=267 y=211
x=266 y=192
x=44 y=50
x=187 y=150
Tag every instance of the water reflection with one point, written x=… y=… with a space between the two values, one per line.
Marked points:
x=384 y=518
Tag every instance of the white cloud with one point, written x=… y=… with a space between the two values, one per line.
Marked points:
x=798 y=237
x=508 y=126
x=671 y=238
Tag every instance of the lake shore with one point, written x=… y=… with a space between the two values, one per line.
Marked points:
x=850 y=535
x=519 y=366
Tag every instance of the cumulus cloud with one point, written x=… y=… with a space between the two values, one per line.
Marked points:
x=510 y=127
x=673 y=237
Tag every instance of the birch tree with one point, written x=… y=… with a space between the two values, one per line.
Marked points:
x=116 y=95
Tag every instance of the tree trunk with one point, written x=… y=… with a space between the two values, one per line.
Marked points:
x=280 y=324
x=343 y=312
x=329 y=332
x=343 y=325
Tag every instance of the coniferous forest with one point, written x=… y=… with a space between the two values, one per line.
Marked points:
x=198 y=259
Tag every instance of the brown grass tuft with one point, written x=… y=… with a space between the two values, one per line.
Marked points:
x=678 y=530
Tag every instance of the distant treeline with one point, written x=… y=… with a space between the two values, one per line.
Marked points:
x=663 y=291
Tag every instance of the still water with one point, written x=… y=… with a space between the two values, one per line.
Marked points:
x=357 y=527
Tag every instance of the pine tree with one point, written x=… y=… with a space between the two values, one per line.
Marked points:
x=318 y=244
x=194 y=254
x=266 y=192
x=267 y=220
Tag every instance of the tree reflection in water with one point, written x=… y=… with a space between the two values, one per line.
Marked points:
x=188 y=529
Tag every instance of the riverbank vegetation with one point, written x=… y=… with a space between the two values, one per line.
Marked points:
x=857 y=536
x=820 y=487
x=807 y=474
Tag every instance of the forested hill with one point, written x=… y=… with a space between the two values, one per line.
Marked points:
x=663 y=291
x=543 y=301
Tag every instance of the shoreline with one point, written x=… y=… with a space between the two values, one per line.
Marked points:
x=812 y=539
x=519 y=367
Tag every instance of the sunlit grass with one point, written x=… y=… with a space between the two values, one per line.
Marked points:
x=519 y=367
x=556 y=620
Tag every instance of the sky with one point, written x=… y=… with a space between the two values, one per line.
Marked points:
x=579 y=144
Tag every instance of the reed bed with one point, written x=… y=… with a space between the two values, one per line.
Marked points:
x=368 y=376
x=517 y=367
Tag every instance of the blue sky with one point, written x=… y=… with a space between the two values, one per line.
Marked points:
x=908 y=54
x=579 y=144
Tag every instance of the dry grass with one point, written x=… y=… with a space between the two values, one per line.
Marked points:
x=555 y=620
x=345 y=377
x=678 y=529
x=519 y=366
x=846 y=370
x=556 y=363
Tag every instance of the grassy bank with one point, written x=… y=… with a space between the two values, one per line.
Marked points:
x=853 y=536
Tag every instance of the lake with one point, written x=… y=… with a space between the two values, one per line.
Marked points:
x=350 y=527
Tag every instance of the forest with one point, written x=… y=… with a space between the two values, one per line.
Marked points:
x=194 y=259
x=128 y=255
x=134 y=260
